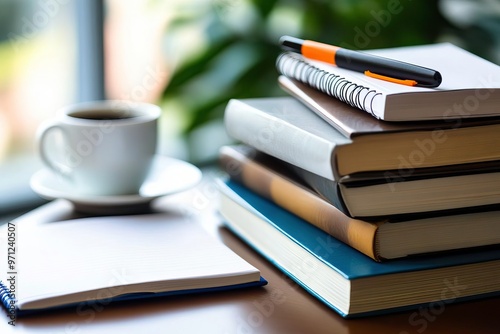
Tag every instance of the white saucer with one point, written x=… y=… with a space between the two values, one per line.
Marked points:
x=168 y=176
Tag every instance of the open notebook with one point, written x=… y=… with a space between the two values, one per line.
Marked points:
x=470 y=86
x=83 y=261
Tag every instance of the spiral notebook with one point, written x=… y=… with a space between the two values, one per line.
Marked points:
x=470 y=87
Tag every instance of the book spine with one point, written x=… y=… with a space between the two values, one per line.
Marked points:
x=298 y=200
x=294 y=66
x=280 y=139
x=328 y=189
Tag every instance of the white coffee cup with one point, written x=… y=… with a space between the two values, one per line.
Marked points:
x=103 y=147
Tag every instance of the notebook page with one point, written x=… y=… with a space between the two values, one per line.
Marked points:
x=106 y=253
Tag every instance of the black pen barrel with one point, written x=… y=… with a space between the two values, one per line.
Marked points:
x=361 y=62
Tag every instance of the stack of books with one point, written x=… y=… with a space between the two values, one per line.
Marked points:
x=374 y=196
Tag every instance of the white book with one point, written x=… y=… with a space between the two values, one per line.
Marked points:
x=286 y=129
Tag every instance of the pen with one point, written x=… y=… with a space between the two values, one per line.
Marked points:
x=373 y=66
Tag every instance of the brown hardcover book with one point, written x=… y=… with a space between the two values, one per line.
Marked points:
x=381 y=239
x=476 y=189
x=429 y=144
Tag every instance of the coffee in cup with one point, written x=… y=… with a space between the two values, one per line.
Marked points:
x=102 y=148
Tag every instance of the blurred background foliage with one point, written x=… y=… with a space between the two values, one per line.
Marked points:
x=232 y=47
x=192 y=56
x=201 y=53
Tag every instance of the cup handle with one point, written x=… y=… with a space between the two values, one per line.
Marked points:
x=42 y=134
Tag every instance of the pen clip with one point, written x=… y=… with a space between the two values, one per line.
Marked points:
x=405 y=82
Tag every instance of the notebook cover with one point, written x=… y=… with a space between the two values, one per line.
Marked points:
x=82 y=306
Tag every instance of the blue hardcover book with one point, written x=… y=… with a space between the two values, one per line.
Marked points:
x=91 y=262
x=346 y=280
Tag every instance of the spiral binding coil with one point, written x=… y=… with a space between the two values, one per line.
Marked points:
x=295 y=67
x=5 y=296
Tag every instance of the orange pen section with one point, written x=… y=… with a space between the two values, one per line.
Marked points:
x=319 y=51
x=393 y=80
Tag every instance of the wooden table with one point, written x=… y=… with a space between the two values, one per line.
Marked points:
x=280 y=307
